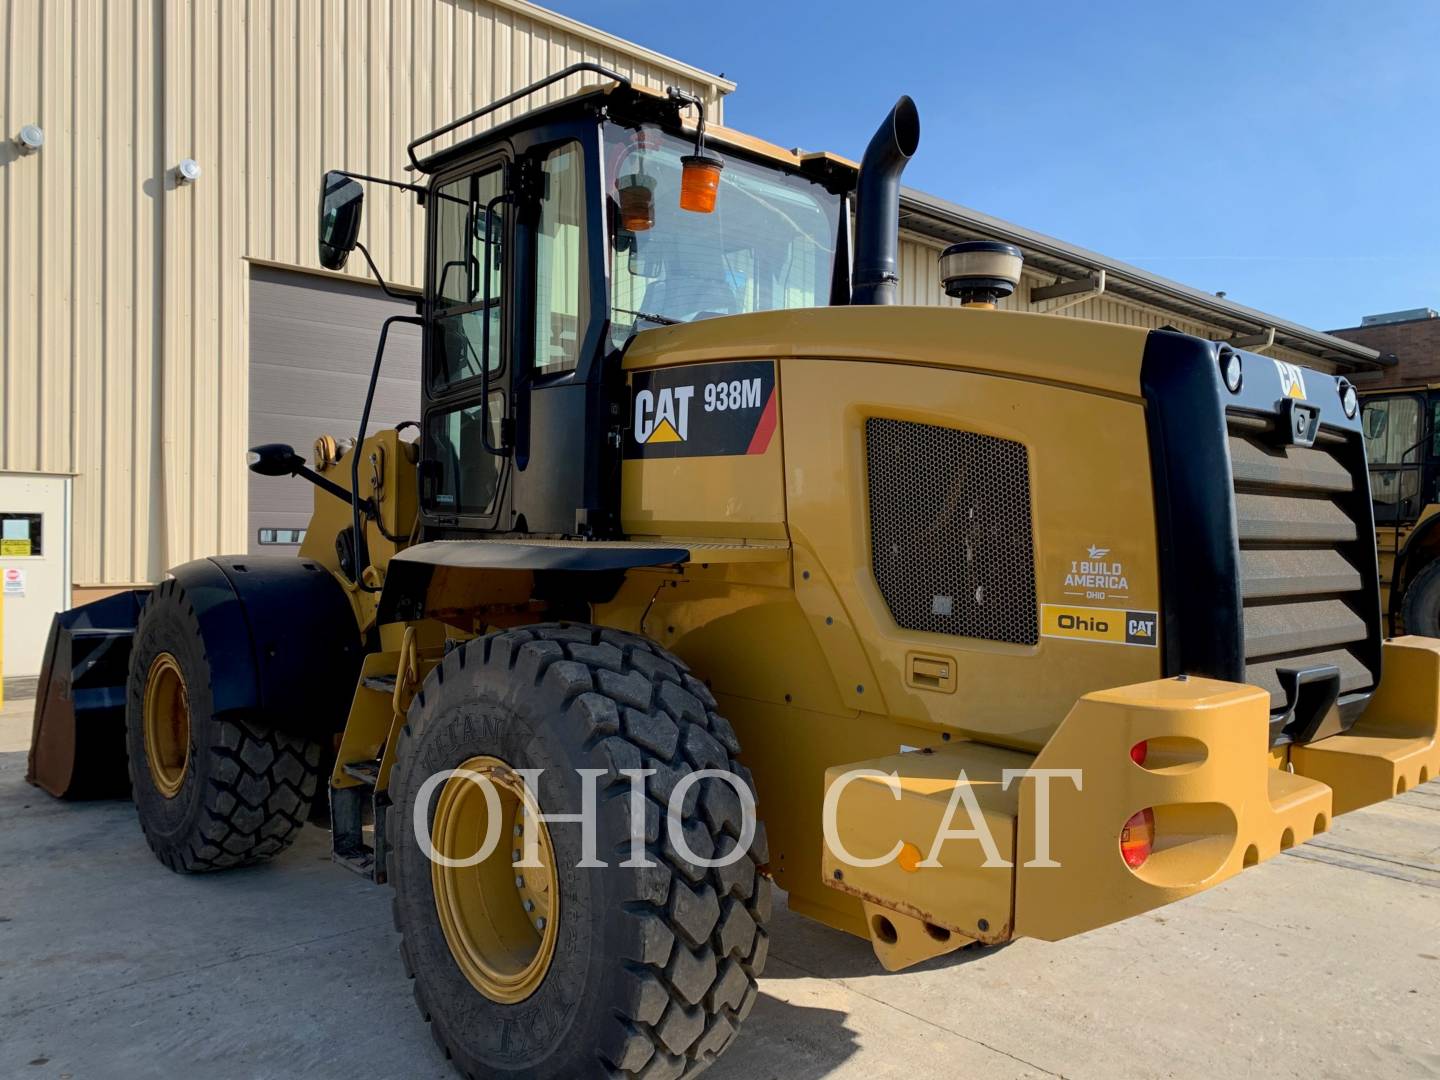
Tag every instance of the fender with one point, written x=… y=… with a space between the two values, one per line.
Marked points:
x=281 y=639
x=589 y=570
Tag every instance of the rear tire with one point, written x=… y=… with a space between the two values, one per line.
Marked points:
x=1421 y=605
x=652 y=970
x=212 y=792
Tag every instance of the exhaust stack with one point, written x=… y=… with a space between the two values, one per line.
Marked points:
x=877 y=205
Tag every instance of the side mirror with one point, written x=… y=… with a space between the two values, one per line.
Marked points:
x=275 y=459
x=341 y=200
x=1376 y=420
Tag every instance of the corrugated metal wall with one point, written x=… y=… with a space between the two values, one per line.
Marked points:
x=124 y=299
x=920 y=284
x=124 y=295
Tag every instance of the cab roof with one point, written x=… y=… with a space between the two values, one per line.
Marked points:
x=643 y=103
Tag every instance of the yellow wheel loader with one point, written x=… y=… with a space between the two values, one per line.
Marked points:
x=1404 y=460
x=710 y=567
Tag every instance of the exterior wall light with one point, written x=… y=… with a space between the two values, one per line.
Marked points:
x=30 y=138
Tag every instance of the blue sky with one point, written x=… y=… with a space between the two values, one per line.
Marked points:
x=1287 y=153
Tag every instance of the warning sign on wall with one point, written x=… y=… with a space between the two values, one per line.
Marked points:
x=14 y=582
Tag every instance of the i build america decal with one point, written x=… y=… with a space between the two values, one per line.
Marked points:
x=702 y=410
x=1099 y=578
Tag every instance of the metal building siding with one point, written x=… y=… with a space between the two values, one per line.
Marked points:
x=124 y=300
x=920 y=284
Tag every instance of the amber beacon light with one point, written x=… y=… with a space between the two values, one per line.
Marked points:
x=637 y=203
x=699 y=182
x=700 y=175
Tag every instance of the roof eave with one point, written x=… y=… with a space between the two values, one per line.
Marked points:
x=929 y=215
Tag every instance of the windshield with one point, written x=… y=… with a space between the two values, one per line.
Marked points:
x=769 y=243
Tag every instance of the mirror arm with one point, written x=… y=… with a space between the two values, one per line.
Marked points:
x=292 y=464
x=330 y=486
x=409 y=298
x=362 y=545
x=418 y=191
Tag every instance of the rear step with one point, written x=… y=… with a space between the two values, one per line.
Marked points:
x=367 y=772
x=347 y=820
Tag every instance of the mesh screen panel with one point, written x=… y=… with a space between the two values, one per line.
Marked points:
x=950 y=534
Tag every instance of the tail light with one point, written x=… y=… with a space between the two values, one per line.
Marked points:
x=1138 y=837
x=1139 y=752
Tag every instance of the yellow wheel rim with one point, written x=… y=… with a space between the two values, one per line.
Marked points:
x=499 y=919
x=167 y=725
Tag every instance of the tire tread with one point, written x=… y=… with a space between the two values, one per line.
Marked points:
x=632 y=704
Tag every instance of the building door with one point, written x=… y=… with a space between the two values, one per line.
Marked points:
x=34 y=565
x=312 y=342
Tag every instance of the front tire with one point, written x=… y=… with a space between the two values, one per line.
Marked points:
x=649 y=971
x=1421 y=605
x=212 y=792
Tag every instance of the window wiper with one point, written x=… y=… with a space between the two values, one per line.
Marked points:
x=663 y=320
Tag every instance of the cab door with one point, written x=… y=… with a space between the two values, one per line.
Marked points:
x=465 y=461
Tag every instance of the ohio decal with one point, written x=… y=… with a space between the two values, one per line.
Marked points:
x=1108 y=625
x=702 y=410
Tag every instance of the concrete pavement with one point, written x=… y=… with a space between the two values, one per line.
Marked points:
x=1324 y=962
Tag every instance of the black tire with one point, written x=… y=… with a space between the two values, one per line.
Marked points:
x=246 y=790
x=654 y=969
x=1420 y=607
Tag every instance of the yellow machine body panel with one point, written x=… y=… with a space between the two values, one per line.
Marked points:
x=749 y=448
x=1395 y=746
x=1092 y=505
x=387 y=475
x=1066 y=391
x=799 y=643
x=1101 y=357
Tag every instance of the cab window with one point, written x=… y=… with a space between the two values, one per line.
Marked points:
x=462 y=476
x=467 y=288
x=1392 y=431
x=559 y=256
x=1394 y=445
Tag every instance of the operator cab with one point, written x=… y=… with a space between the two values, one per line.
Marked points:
x=551 y=241
x=1403 y=451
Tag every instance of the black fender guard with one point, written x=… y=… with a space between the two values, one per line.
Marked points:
x=281 y=638
x=282 y=643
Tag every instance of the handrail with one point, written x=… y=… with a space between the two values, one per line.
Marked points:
x=510 y=99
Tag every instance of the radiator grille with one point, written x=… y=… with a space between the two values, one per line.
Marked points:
x=950 y=531
x=1304 y=601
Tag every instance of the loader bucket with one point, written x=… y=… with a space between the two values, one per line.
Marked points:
x=77 y=750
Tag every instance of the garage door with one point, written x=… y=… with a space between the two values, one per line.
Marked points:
x=312 y=341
